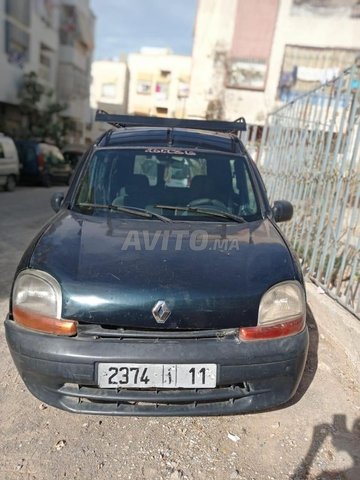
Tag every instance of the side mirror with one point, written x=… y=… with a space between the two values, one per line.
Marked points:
x=56 y=201
x=282 y=210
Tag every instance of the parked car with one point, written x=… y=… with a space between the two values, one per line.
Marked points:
x=139 y=298
x=9 y=163
x=42 y=163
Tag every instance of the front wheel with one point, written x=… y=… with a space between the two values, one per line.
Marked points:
x=10 y=183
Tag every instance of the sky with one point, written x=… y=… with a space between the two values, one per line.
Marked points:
x=124 y=26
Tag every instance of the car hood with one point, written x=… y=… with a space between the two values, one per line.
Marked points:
x=113 y=270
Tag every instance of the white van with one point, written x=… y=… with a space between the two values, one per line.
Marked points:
x=9 y=163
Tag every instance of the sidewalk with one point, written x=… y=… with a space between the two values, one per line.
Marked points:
x=336 y=323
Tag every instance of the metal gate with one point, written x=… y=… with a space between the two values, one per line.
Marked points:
x=310 y=155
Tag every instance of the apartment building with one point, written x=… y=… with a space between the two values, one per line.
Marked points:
x=55 y=40
x=158 y=83
x=109 y=89
x=250 y=57
x=76 y=43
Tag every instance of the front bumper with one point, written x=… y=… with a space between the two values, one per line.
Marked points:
x=252 y=376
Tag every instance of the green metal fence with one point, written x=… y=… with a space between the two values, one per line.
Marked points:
x=310 y=154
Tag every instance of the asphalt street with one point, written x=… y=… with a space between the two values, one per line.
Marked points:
x=316 y=436
x=22 y=213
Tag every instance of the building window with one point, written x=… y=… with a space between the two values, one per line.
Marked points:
x=306 y=68
x=183 y=89
x=74 y=82
x=45 y=10
x=161 y=110
x=247 y=74
x=348 y=8
x=355 y=11
x=143 y=87
x=18 y=10
x=108 y=90
x=16 y=44
x=162 y=91
x=45 y=63
x=68 y=26
x=165 y=73
x=81 y=84
x=44 y=60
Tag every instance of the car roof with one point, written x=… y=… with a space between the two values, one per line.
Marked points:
x=171 y=138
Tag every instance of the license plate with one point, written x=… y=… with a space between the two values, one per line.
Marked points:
x=143 y=375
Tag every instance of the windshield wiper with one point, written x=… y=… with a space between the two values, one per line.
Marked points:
x=213 y=213
x=140 y=212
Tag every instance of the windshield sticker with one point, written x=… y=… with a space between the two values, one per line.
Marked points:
x=170 y=151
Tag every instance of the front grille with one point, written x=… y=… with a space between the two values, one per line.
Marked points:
x=91 y=399
x=109 y=331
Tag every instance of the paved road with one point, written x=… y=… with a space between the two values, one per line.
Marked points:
x=22 y=213
x=319 y=432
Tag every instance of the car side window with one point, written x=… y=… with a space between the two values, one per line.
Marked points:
x=2 y=154
x=95 y=187
x=243 y=188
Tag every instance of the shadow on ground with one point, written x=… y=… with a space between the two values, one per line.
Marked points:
x=343 y=440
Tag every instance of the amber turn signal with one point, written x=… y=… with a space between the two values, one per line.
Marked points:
x=281 y=329
x=41 y=323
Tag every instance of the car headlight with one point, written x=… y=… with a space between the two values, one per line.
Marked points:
x=37 y=303
x=281 y=313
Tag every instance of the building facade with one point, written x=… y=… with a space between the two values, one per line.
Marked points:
x=253 y=56
x=109 y=89
x=55 y=40
x=76 y=43
x=158 y=83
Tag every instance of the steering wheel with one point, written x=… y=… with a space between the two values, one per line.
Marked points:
x=210 y=202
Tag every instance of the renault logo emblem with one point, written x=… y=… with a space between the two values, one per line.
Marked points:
x=161 y=311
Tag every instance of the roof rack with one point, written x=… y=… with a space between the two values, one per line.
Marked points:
x=143 y=121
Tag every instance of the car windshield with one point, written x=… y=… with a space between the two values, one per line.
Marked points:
x=200 y=183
